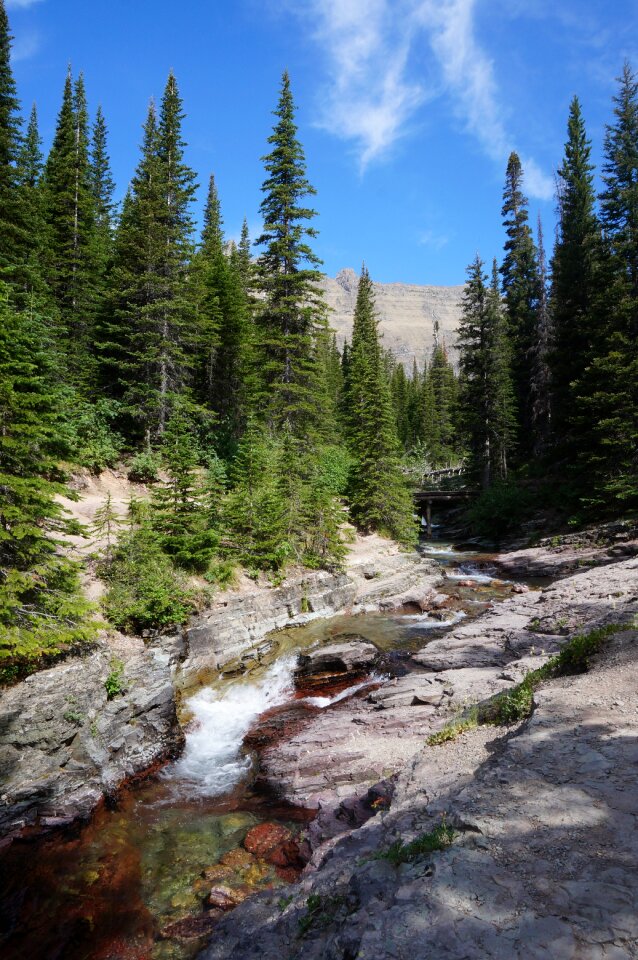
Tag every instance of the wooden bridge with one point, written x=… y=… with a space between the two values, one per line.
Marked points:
x=433 y=491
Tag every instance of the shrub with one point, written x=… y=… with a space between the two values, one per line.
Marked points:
x=145 y=591
x=93 y=442
x=144 y=468
x=114 y=683
x=499 y=510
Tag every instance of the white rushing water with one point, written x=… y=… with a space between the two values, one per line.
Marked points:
x=212 y=763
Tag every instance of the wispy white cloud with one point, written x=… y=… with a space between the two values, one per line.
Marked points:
x=25 y=47
x=369 y=99
x=374 y=95
x=20 y=4
x=468 y=75
x=433 y=240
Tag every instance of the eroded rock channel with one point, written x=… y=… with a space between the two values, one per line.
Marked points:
x=309 y=742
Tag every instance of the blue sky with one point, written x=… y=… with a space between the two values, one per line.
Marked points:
x=407 y=109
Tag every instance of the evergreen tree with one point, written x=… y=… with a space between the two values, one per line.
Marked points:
x=443 y=387
x=379 y=495
x=293 y=312
x=486 y=394
x=180 y=515
x=102 y=189
x=519 y=273
x=13 y=231
x=70 y=217
x=151 y=337
x=30 y=164
x=608 y=396
x=225 y=315
x=574 y=280
x=541 y=351
x=253 y=510
x=41 y=610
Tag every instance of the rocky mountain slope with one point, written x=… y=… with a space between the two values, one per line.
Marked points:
x=407 y=314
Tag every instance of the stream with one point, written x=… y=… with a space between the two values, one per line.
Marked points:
x=131 y=884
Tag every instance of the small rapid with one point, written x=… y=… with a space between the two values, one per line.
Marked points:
x=212 y=763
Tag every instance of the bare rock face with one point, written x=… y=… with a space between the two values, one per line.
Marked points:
x=407 y=314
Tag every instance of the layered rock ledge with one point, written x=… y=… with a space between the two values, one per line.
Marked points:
x=545 y=853
x=64 y=745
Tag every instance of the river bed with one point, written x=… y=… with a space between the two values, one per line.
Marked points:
x=119 y=887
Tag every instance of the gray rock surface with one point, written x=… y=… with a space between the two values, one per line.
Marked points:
x=407 y=313
x=64 y=745
x=545 y=857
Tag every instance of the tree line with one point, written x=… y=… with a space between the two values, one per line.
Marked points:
x=207 y=368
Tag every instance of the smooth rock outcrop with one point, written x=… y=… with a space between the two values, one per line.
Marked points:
x=545 y=852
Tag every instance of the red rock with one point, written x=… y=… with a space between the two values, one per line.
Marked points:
x=263 y=838
x=520 y=588
x=286 y=855
x=287 y=874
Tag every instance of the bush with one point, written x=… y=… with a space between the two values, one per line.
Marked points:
x=144 y=468
x=333 y=469
x=145 y=591
x=499 y=510
x=114 y=683
x=222 y=573
x=92 y=440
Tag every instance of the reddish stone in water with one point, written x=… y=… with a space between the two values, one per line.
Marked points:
x=265 y=837
x=286 y=855
x=288 y=874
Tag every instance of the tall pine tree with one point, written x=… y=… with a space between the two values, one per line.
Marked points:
x=379 y=495
x=519 y=273
x=293 y=312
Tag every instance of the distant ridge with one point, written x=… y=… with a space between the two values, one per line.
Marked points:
x=406 y=311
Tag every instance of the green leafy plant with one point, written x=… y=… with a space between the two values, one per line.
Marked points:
x=320 y=912
x=452 y=730
x=145 y=591
x=144 y=468
x=438 y=839
x=115 y=683
x=73 y=716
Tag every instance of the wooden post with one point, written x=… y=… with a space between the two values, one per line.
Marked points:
x=428 y=518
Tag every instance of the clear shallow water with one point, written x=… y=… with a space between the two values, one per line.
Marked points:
x=105 y=891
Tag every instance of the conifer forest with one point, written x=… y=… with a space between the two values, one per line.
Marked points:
x=210 y=367
x=310 y=646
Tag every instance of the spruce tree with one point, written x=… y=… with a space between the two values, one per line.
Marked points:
x=541 y=383
x=225 y=327
x=519 y=273
x=487 y=400
x=151 y=337
x=378 y=492
x=30 y=165
x=70 y=218
x=443 y=387
x=13 y=231
x=574 y=280
x=102 y=189
x=293 y=311
x=41 y=609
x=608 y=396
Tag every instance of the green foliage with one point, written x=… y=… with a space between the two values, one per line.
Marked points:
x=320 y=913
x=499 y=510
x=115 y=684
x=144 y=467
x=93 y=441
x=452 y=730
x=378 y=491
x=144 y=590
x=223 y=573
x=42 y=612
x=438 y=839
